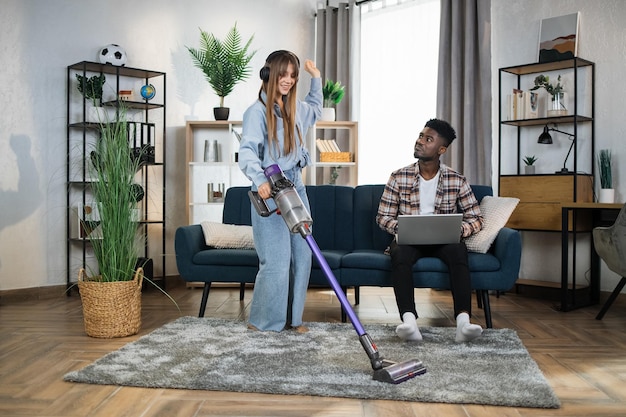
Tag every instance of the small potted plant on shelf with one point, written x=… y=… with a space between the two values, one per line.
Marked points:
x=224 y=64
x=529 y=161
x=333 y=93
x=556 y=92
x=607 y=192
x=91 y=88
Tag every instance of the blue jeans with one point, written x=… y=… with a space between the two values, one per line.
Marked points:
x=284 y=269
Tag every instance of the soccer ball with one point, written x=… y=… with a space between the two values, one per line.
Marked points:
x=113 y=54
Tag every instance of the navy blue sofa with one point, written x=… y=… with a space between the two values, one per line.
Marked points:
x=344 y=228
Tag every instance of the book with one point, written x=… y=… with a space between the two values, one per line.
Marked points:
x=530 y=104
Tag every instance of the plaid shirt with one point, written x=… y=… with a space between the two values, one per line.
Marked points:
x=402 y=196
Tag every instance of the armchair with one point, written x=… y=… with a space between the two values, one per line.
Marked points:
x=610 y=244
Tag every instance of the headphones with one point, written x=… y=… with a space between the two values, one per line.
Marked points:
x=264 y=73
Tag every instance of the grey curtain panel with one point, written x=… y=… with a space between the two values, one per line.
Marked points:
x=464 y=85
x=334 y=50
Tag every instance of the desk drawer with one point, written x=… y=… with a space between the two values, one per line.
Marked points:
x=541 y=197
x=544 y=216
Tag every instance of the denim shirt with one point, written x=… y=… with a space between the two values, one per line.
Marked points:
x=254 y=151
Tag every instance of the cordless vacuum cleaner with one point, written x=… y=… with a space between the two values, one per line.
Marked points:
x=298 y=219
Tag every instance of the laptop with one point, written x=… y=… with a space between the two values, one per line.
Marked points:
x=429 y=229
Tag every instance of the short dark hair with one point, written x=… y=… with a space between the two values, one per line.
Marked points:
x=443 y=128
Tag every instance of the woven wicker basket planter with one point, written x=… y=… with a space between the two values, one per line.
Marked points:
x=111 y=309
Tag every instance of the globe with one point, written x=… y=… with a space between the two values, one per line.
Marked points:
x=148 y=92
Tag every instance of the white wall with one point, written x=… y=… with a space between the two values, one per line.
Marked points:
x=40 y=38
x=515 y=34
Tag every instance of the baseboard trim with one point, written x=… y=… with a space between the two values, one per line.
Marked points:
x=55 y=291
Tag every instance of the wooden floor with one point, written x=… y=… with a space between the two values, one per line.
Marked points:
x=40 y=340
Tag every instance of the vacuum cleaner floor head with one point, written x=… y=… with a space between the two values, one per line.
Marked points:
x=397 y=372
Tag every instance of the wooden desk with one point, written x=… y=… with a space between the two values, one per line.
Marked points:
x=541 y=197
x=601 y=215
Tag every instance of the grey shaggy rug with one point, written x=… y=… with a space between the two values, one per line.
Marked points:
x=223 y=355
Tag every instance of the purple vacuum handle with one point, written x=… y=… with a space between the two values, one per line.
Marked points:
x=336 y=287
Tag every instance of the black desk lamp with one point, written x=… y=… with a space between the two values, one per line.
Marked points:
x=546 y=139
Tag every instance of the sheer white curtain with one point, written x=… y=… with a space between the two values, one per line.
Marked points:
x=398 y=82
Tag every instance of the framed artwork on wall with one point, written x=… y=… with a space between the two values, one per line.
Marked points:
x=558 y=38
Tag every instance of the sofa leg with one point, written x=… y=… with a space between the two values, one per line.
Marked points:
x=479 y=300
x=344 y=316
x=486 y=308
x=242 y=290
x=357 y=295
x=205 y=297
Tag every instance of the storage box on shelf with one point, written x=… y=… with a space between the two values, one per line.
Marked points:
x=146 y=130
x=212 y=167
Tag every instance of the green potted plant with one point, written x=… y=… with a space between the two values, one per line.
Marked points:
x=556 y=93
x=224 y=64
x=607 y=192
x=333 y=93
x=91 y=88
x=529 y=162
x=111 y=297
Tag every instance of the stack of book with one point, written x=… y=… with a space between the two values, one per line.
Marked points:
x=330 y=151
x=522 y=105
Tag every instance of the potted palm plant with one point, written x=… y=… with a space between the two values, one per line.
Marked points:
x=224 y=64
x=333 y=93
x=111 y=298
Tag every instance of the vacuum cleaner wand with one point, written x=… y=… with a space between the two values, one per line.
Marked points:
x=298 y=220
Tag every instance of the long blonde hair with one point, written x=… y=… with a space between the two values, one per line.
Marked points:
x=276 y=66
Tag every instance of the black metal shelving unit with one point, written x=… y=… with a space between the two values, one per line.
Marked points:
x=81 y=133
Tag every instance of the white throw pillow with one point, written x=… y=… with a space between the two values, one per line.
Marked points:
x=227 y=236
x=496 y=212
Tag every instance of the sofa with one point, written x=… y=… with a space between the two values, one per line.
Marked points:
x=345 y=230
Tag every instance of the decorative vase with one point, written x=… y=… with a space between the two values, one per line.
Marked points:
x=221 y=113
x=607 y=195
x=529 y=169
x=96 y=114
x=328 y=114
x=211 y=151
x=557 y=105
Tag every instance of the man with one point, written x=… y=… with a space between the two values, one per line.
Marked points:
x=430 y=187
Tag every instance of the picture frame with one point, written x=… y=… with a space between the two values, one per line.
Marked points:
x=558 y=38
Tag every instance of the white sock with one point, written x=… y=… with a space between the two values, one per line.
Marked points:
x=408 y=329
x=465 y=331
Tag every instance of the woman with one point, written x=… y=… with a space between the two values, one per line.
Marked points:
x=274 y=129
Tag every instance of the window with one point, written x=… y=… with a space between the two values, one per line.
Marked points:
x=399 y=60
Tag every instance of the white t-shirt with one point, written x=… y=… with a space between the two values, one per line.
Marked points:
x=428 y=191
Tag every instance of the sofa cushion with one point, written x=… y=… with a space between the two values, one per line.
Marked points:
x=233 y=257
x=331 y=210
x=224 y=236
x=332 y=257
x=496 y=212
x=237 y=206
x=367 y=234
